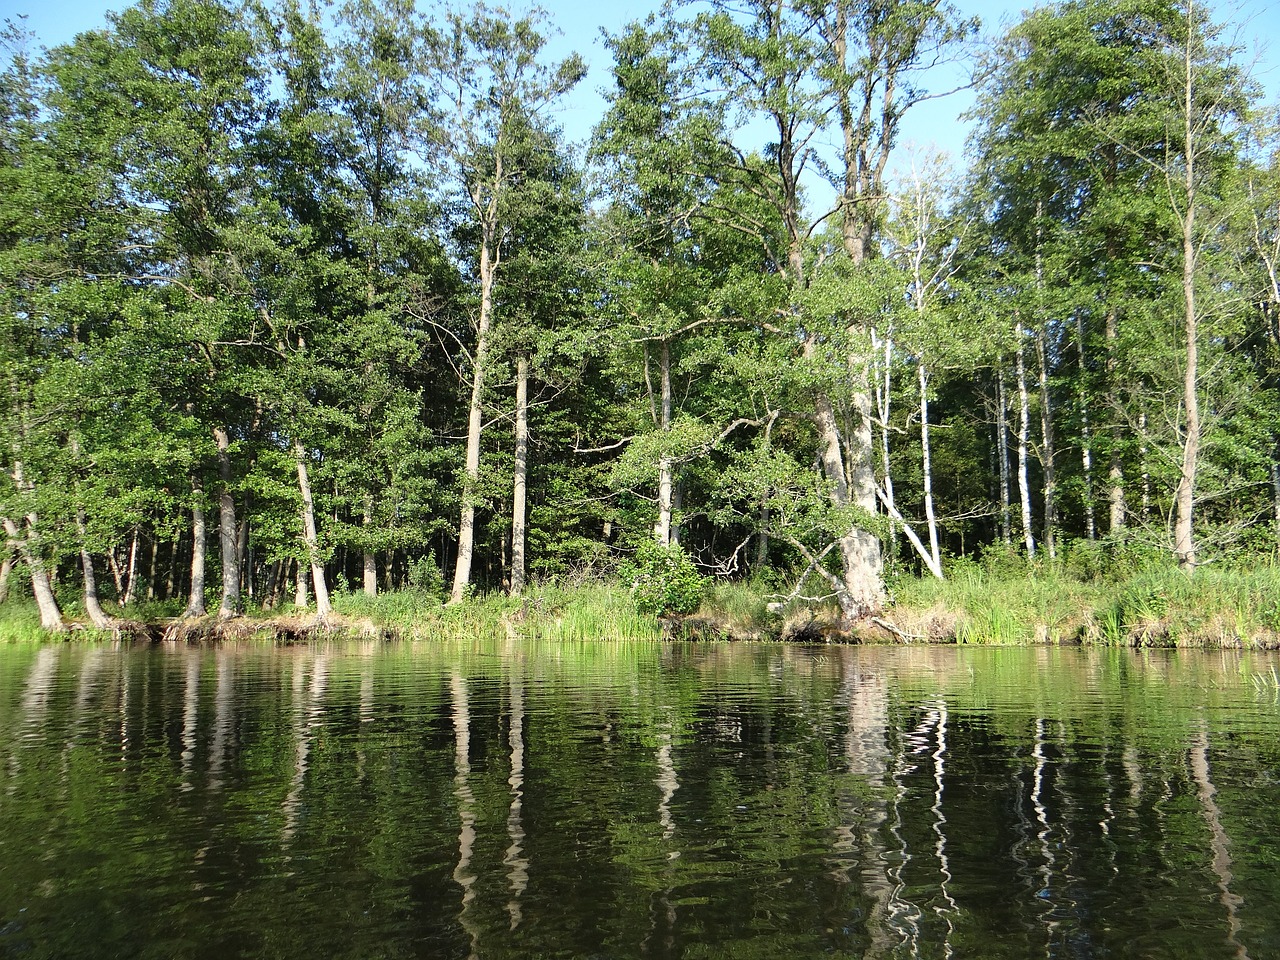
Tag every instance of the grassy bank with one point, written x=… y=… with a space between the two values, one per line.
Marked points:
x=1155 y=605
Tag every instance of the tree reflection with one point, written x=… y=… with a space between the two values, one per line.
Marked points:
x=464 y=875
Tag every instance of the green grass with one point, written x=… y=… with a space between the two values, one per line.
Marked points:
x=1147 y=604
x=20 y=621
x=999 y=606
x=592 y=611
x=1154 y=605
x=1219 y=606
x=739 y=609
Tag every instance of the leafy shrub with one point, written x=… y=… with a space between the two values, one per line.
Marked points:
x=425 y=575
x=663 y=580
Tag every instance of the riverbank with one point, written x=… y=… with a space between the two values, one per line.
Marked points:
x=1156 y=606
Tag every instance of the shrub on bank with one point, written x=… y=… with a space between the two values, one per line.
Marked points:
x=663 y=579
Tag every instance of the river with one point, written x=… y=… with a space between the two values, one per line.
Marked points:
x=534 y=800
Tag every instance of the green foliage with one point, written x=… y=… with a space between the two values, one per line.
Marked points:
x=269 y=223
x=425 y=576
x=663 y=580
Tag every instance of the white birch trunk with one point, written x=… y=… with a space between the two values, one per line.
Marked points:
x=199 y=545
x=230 y=549
x=1086 y=440
x=490 y=257
x=132 y=577
x=665 y=482
x=884 y=400
x=27 y=547
x=97 y=616
x=1184 y=547
x=927 y=471
x=370 y=558
x=1117 y=509
x=27 y=543
x=1046 y=410
x=310 y=535
x=520 y=473
x=1048 y=454
x=1002 y=451
x=1024 y=429
x=300 y=592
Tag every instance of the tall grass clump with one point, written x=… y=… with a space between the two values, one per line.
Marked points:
x=20 y=621
x=401 y=609
x=739 y=609
x=1214 y=606
x=1002 y=603
x=588 y=612
x=543 y=612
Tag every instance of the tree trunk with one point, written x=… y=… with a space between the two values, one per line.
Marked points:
x=864 y=160
x=131 y=580
x=370 y=558
x=6 y=568
x=1048 y=450
x=1184 y=547
x=199 y=546
x=1146 y=472
x=97 y=616
x=116 y=573
x=1086 y=439
x=230 y=605
x=677 y=506
x=519 y=477
x=243 y=549
x=151 y=568
x=489 y=256
x=884 y=398
x=27 y=547
x=171 y=569
x=1116 y=506
x=927 y=470
x=762 y=536
x=300 y=585
x=271 y=591
x=860 y=592
x=1024 y=429
x=1002 y=451
x=663 y=529
x=309 y=535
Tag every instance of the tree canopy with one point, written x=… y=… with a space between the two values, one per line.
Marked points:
x=333 y=284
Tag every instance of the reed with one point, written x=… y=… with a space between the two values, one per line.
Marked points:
x=1227 y=607
x=999 y=605
x=20 y=621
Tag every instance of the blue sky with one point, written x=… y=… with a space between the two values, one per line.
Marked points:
x=934 y=123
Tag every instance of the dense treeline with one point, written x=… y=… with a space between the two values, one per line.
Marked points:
x=298 y=297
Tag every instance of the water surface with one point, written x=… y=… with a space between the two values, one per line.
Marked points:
x=636 y=800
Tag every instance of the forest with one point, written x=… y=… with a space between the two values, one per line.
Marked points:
x=303 y=300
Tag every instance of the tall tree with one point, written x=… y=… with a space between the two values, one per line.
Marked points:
x=488 y=79
x=795 y=66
